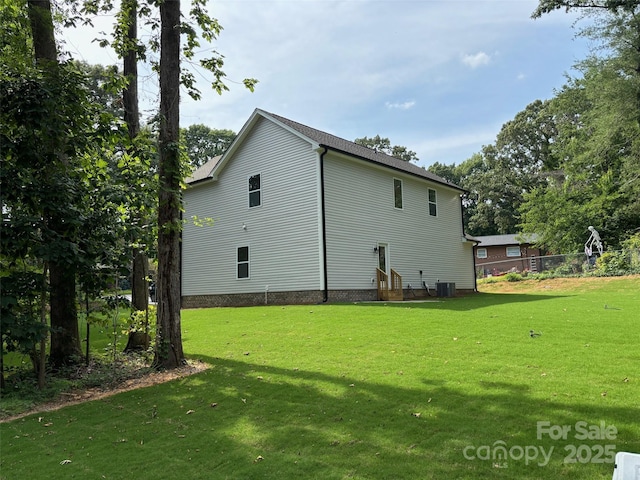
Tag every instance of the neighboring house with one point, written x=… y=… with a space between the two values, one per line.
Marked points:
x=497 y=254
x=302 y=216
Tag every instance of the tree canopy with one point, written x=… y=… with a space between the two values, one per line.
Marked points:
x=571 y=161
x=202 y=143
x=383 y=145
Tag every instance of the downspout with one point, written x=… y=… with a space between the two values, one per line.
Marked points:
x=325 y=293
x=473 y=257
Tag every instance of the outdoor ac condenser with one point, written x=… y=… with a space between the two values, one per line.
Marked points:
x=446 y=289
x=627 y=466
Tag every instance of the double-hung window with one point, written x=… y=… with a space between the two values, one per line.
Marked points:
x=481 y=253
x=397 y=193
x=242 y=262
x=255 y=191
x=513 y=251
x=433 y=203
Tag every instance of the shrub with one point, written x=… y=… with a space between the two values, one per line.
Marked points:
x=631 y=247
x=612 y=263
x=513 y=277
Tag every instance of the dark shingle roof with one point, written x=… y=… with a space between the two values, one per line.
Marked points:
x=345 y=146
x=204 y=171
x=331 y=142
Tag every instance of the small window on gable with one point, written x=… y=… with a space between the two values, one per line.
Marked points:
x=513 y=251
x=397 y=193
x=481 y=253
x=255 y=195
x=242 y=262
x=433 y=203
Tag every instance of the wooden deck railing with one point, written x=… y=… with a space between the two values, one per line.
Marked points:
x=389 y=289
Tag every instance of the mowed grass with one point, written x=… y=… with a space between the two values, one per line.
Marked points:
x=371 y=391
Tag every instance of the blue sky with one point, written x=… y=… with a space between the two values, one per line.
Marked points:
x=438 y=76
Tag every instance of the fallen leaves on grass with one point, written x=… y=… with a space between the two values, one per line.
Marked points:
x=147 y=380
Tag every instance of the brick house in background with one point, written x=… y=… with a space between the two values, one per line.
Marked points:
x=499 y=254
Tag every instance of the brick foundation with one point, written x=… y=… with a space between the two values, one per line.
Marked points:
x=307 y=297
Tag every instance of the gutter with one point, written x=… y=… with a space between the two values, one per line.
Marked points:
x=325 y=293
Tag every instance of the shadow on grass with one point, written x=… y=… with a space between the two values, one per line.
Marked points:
x=260 y=421
x=247 y=420
x=466 y=302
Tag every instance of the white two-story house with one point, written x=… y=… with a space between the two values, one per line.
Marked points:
x=296 y=215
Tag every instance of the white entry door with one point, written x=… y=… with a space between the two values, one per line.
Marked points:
x=383 y=257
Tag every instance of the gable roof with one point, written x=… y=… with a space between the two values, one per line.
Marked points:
x=509 y=239
x=351 y=148
x=321 y=139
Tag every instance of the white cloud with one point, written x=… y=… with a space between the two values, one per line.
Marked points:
x=401 y=106
x=351 y=67
x=477 y=60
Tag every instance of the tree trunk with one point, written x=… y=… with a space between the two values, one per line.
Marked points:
x=139 y=284
x=139 y=341
x=65 y=338
x=169 y=353
x=44 y=42
x=140 y=287
x=130 y=70
x=65 y=334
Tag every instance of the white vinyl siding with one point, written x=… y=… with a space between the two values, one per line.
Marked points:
x=359 y=218
x=282 y=233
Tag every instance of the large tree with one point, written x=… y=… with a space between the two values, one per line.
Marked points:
x=65 y=337
x=383 y=145
x=598 y=147
x=203 y=143
x=169 y=353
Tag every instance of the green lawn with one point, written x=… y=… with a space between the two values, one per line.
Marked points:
x=376 y=391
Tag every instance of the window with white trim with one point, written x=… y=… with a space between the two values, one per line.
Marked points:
x=433 y=203
x=242 y=262
x=255 y=191
x=513 y=251
x=481 y=253
x=397 y=193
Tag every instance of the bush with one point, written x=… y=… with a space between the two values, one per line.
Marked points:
x=612 y=264
x=631 y=247
x=513 y=277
